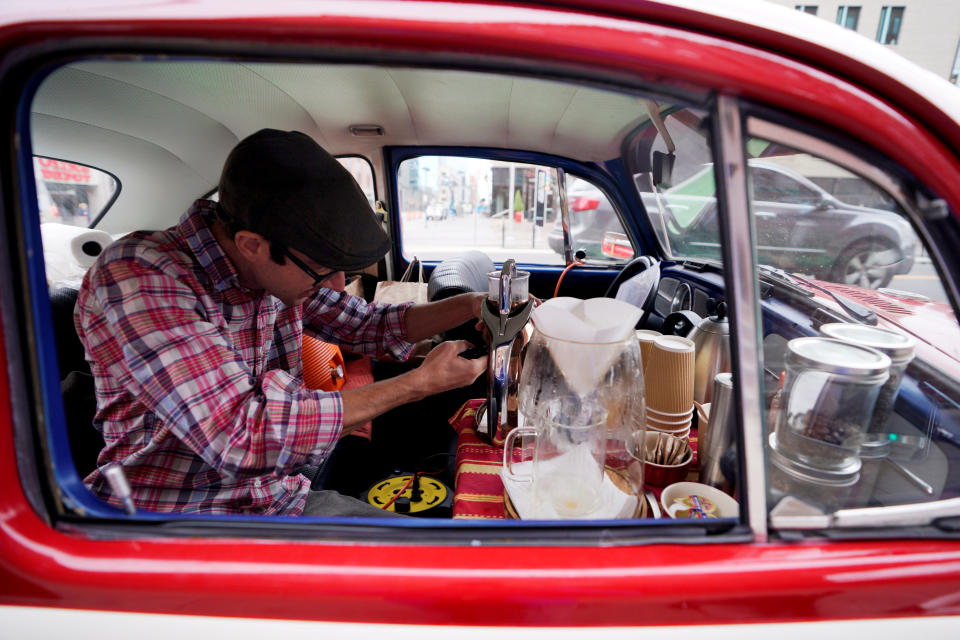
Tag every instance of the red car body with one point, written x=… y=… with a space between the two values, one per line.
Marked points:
x=630 y=583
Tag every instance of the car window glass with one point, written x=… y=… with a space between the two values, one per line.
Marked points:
x=815 y=218
x=847 y=428
x=71 y=193
x=450 y=204
x=362 y=172
x=595 y=228
x=671 y=161
x=773 y=186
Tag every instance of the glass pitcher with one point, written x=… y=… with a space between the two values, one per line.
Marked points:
x=562 y=377
x=569 y=457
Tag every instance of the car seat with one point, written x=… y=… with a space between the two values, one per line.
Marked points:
x=76 y=383
x=417 y=436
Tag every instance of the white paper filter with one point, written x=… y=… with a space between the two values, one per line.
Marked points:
x=585 y=336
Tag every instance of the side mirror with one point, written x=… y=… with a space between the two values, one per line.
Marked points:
x=825 y=204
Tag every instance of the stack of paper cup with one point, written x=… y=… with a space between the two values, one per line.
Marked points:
x=669 y=385
x=645 y=338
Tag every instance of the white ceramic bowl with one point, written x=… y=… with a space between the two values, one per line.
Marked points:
x=727 y=507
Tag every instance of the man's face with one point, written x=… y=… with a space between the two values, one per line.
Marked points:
x=299 y=278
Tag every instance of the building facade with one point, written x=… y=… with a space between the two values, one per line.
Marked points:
x=926 y=32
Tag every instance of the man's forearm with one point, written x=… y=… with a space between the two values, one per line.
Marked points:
x=425 y=320
x=442 y=370
x=362 y=404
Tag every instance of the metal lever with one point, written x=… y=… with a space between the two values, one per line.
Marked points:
x=507 y=274
x=504 y=327
x=117 y=480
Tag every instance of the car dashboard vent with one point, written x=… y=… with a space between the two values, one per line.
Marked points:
x=871 y=298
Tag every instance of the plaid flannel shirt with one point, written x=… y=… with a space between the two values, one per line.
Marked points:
x=199 y=390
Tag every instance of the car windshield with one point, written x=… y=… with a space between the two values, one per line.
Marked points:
x=811 y=217
x=673 y=173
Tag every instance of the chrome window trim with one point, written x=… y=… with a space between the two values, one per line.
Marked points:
x=564 y=216
x=740 y=266
x=800 y=517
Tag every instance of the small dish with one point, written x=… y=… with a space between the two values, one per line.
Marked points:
x=719 y=504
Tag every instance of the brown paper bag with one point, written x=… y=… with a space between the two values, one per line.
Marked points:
x=404 y=290
x=355 y=286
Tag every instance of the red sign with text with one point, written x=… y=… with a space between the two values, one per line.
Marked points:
x=59 y=171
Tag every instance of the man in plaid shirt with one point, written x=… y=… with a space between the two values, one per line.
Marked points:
x=194 y=338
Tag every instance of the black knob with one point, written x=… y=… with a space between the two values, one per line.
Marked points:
x=402 y=505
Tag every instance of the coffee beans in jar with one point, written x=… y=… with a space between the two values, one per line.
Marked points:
x=830 y=390
x=899 y=347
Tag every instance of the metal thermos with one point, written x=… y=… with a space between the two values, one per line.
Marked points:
x=711 y=339
x=718 y=435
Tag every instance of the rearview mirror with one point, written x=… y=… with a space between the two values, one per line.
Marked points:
x=663 y=169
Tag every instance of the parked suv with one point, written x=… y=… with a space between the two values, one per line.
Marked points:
x=800 y=227
x=591 y=216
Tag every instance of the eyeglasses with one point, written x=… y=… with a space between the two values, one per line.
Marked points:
x=318 y=278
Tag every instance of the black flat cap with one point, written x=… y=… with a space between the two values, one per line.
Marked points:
x=286 y=187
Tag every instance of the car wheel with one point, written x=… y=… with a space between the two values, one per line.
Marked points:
x=866 y=263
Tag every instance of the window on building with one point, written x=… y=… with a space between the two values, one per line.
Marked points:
x=888 y=32
x=849 y=17
x=807 y=8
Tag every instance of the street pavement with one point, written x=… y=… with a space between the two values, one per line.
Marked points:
x=922 y=279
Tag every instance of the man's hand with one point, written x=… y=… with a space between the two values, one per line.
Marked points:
x=478 y=298
x=444 y=369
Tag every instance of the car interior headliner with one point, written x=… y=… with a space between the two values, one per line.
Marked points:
x=164 y=128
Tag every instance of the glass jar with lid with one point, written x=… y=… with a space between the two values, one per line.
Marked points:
x=897 y=346
x=829 y=392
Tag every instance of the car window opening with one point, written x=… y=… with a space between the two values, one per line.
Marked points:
x=616 y=401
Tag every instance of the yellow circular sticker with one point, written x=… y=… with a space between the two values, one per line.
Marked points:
x=433 y=493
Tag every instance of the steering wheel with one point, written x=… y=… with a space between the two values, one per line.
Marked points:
x=632 y=268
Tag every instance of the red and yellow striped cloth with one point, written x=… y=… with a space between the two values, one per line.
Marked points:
x=478 y=490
